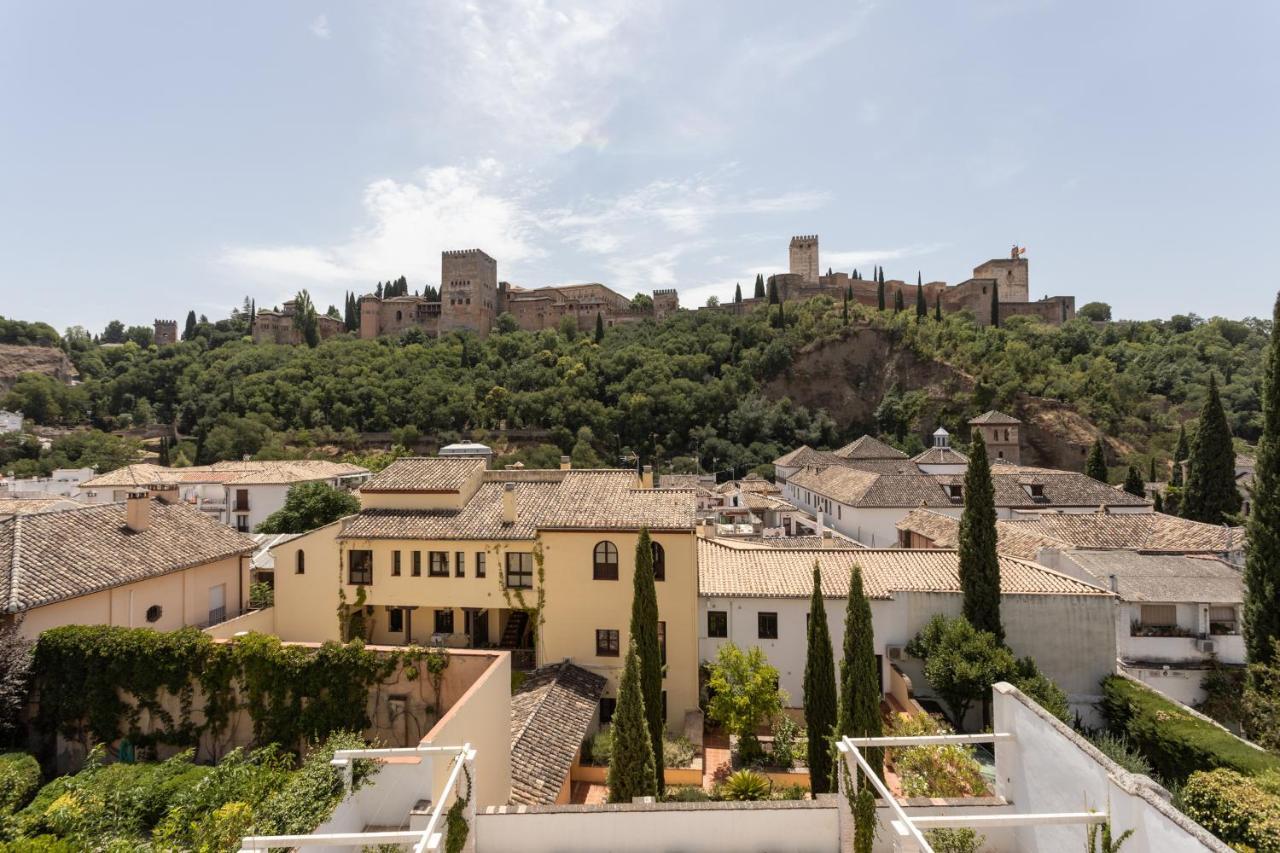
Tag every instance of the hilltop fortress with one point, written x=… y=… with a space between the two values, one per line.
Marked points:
x=472 y=298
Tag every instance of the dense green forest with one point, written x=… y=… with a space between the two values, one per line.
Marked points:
x=690 y=385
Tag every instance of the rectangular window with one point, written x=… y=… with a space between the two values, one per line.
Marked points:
x=444 y=621
x=242 y=500
x=438 y=564
x=459 y=564
x=717 y=623
x=662 y=642
x=1225 y=613
x=1160 y=615
x=395 y=621
x=360 y=567
x=480 y=564
x=395 y=564
x=607 y=707
x=767 y=625
x=242 y=523
x=519 y=570
x=606 y=643
x=417 y=564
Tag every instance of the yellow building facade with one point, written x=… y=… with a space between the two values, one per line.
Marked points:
x=541 y=563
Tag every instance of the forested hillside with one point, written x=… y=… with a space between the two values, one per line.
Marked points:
x=737 y=391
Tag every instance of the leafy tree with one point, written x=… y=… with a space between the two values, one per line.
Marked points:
x=644 y=641
x=860 y=691
x=599 y=327
x=113 y=333
x=305 y=320
x=961 y=662
x=1133 y=483
x=744 y=693
x=819 y=690
x=308 y=506
x=1095 y=311
x=995 y=304
x=1210 y=494
x=15 y=671
x=1181 y=454
x=189 y=330
x=1096 y=465
x=631 y=763
x=1262 y=561
x=979 y=562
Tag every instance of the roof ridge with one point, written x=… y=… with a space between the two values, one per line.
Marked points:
x=11 y=606
x=541 y=700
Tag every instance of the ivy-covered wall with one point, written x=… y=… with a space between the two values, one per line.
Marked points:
x=161 y=692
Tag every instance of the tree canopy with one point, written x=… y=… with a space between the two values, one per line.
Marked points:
x=308 y=506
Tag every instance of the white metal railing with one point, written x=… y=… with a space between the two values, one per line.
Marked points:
x=428 y=838
x=910 y=838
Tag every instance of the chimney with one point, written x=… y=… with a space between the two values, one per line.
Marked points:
x=709 y=528
x=821 y=526
x=566 y=463
x=167 y=493
x=137 y=515
x=508 y=503
x=646 y=477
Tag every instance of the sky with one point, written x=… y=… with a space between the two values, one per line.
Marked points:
x=161 y=157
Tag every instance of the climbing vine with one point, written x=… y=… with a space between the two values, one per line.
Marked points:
x=455 y=820
x=515 y=597
x=98 y=683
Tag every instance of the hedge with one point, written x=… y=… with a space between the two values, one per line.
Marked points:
x=1234 y=808
x=1176 y=742
x=19 y=780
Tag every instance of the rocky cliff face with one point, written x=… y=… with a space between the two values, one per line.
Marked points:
x=16 y=360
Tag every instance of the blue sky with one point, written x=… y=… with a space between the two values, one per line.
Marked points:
x=161 y=157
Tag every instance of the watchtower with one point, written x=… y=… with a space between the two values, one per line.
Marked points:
x=1000 y=433
x=468 y=291
x=804 y=257
x=665 y=302
x=166 y=332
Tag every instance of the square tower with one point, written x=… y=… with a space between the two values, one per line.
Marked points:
x=468 y=291
x=1000 y=433
x=166 y=332
x=804 y=257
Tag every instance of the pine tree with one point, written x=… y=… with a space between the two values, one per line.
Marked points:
x=599 y=327
x=1133 y=483
x=644 y=639
x=922 y=309
x=631 y=765
x=979 y=563
x=759 y=294
x=1211 y=495
x=737 y=292
x=819 y=690
x=860 y=692
x=1262 y=562
x=1180 y=454
x=937 y=307
x=880 y=288
x=1096 y=465
x=189 y=330
x=995 y=304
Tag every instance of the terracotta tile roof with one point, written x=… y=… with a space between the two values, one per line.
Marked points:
x=808 y=543
x=26 y=506
x=1163 y=577
x=610 y=500
x=944 y=530
x=869 y=447
x=992 y=417
x=940 y=456
x=761 y=501
x=805 y=455
x=51 y=556
x=686 y=481
x=1147 y=531
x=724 y=570
x=243 y=473
x=425 y=473
x=479 y=518
x=550 y=715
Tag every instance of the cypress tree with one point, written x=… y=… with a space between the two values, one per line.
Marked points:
x=1158 y=503
x=599 y=327
x=937 y=307
x=979 y=564
x=378 y=290
x=819 y=690
x=844 y=311
x=1133 y=483
x=1211 y=494
x=759 y=294
x=1262 y=562
x=855 y=275
x=164 y=451
x=1180 y=454
x=782 y=319
x=737 y=292
x=1151 y=470
x=995 y=304
x=922 y=309
x=1096 y=465
x=631 y=767
x=253 y=314
x=880 y=288
x=189 y=330
x=644 y=640
x=897 y=300
x=860 y=692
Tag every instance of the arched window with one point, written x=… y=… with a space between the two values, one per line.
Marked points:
x=300 y=563
x=659 y=562
x=604 y=563
x=398 y=316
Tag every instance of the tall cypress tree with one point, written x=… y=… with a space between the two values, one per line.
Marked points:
x=737 y=292
x=189 y=330
x=1151 y=470
x=1262 y=562
x=1180 y=454
x=599 y=327
x=644 y=639
x=880 y=288
x=979 y=563
x=922 y=310
x=897 y=300
x=1133 y=483
x=819 y=690
x=1210 y=495
x=1096 y=465
x=995 y=304
x=937 y=306
x=164 y=451
x=859 y=678
x=773 y=292
x=631 y=767
x=844 y=311
x=759 y=294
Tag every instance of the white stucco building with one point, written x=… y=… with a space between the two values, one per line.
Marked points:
x=10 y=421
x=62 y=483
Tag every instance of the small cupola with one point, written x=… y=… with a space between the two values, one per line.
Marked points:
x=941 y=438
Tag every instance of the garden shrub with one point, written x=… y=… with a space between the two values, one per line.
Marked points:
x=745 y=785
x=685 y=794
x=600 y=747
x=204 y=810
x=786 y=740
x=1175 y=742
x=943 y=770
x=955 y=840
x=1118 y=749
x=19 y=780
x=1233 y=807
x=678 y=751
x=310 y=794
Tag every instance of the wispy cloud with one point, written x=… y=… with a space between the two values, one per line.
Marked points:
x=320 y=27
